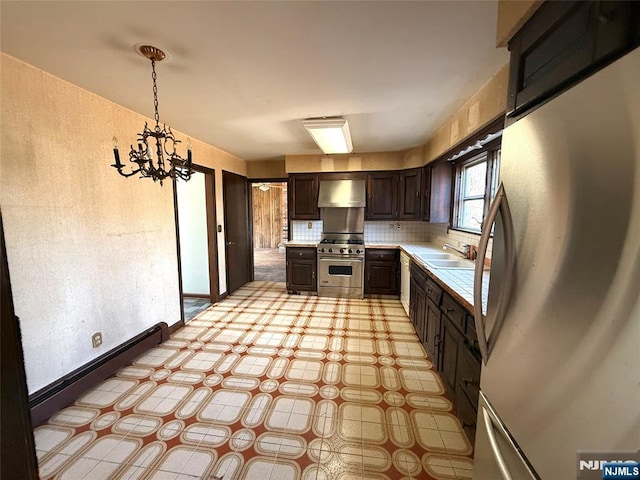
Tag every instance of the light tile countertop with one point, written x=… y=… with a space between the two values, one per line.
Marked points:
x=457 y=282
x=301 y=243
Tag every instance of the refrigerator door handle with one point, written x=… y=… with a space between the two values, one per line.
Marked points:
x=497 y=454
x=500 y=205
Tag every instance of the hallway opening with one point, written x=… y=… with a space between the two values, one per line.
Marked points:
x=270 y=230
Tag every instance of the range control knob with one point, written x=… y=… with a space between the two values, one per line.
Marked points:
x=358 y=251
x=342 y=250
x=321 y=250
x=350 y=251
x=330 y=250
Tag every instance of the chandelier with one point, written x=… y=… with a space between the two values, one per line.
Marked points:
x=156 y=155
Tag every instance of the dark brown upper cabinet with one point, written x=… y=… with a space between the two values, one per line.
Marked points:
x=410 y=194
x=382 y=196
x=303 y=196
x=563 y=43
x=436 y=203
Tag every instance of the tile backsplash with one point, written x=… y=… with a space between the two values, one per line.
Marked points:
x=388 y=231
x=301 y=232
x=438 y=234
x=382 y=231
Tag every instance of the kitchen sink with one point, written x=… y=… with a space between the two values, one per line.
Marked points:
x=435 y=256
x=450 y=263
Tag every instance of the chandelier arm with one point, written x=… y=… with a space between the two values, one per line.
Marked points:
x=130 y=174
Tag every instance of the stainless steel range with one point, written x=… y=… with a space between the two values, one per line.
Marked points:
x=341 y=266
x=341 y=248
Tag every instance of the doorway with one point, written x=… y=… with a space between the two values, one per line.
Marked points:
x=198 y=258
x=239 y=254
x=270 y=229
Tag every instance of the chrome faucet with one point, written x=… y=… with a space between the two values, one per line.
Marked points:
x=465 y=253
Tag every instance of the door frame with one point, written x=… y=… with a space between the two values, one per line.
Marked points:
x=249 y=227
x=212 y=236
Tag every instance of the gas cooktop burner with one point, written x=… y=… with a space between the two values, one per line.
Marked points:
x=335 y=241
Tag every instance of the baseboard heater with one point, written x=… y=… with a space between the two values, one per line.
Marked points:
x=61 y=393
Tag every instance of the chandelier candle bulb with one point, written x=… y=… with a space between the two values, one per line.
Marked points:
x=116 y=154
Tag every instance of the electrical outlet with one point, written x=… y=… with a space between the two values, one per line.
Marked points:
x=398 y=226
x=96 y=339
x=309 y=225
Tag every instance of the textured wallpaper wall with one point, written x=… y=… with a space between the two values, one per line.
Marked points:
x=88 y=250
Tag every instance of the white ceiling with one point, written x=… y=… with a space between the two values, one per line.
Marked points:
x=242 y=75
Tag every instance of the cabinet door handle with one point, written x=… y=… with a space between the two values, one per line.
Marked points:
x=449 y=310
x=313 y=275
x=300 y=253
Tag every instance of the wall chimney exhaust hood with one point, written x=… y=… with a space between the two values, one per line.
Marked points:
x=342 y=193
x=331 y=134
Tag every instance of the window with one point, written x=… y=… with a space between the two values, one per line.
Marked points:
x=477 y=179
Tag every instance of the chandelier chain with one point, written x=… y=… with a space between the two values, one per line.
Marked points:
x=155 y=92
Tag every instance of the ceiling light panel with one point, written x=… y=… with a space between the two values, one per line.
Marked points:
x=330 y=134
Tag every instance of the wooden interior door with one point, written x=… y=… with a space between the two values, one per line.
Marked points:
x=238 y=244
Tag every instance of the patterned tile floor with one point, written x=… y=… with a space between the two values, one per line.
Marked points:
x=193 y=306
x=265 y=386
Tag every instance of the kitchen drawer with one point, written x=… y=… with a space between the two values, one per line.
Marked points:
x=434 y=292
x=381 y=255
x=454 y=311
x=305 y=253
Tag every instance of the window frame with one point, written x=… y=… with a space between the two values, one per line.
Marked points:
x=491 y=153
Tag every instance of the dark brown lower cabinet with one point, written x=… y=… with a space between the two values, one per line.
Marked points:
x=467 y=411
x=421 y=314
x=451 y=339
x=432 y=339
x=301 y=269
x=447 y=332
x=467 y=388
x=381 y=271
x=417 y=300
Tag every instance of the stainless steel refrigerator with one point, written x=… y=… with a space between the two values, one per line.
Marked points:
x=561 y=366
